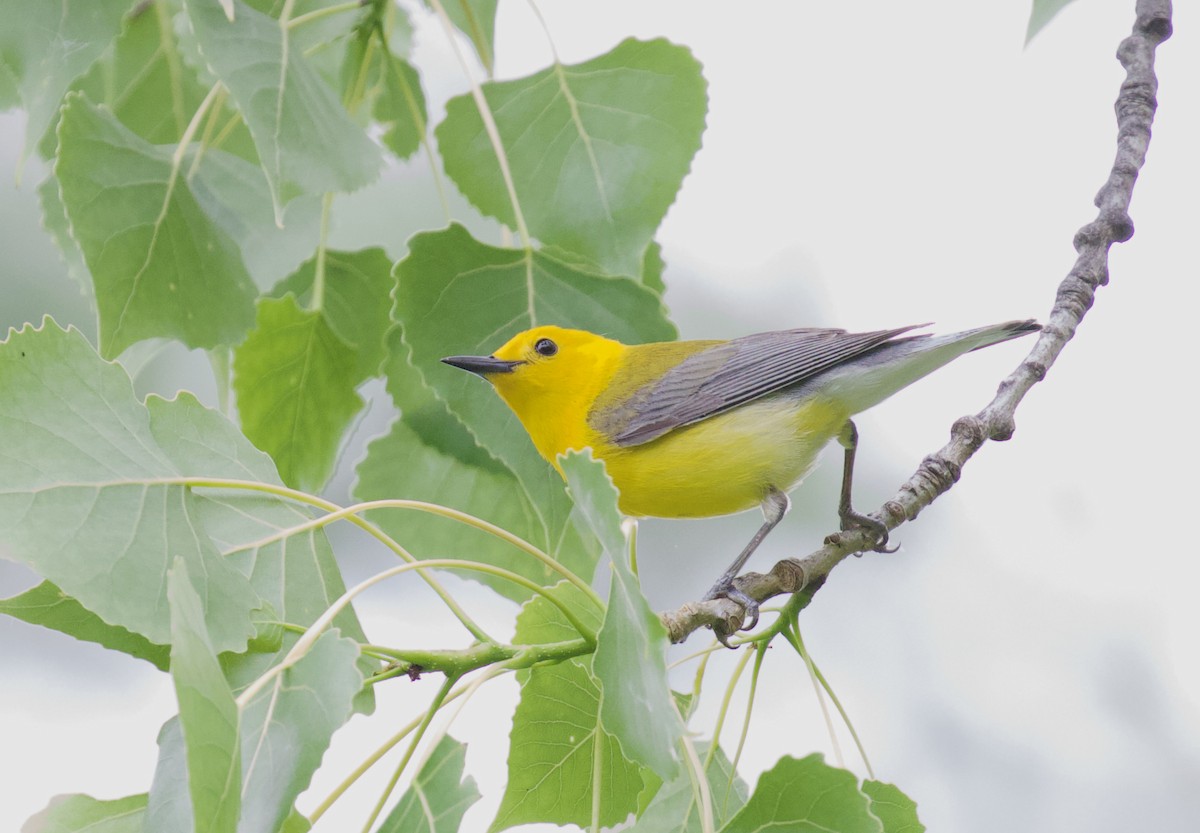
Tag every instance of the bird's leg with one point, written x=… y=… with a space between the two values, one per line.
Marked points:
x=848 y=438
x=775 y=505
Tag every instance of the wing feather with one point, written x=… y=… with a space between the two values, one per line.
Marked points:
x=733 y=373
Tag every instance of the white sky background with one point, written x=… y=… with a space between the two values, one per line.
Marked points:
x=1027 y=660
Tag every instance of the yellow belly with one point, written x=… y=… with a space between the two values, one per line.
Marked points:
x=724 y=464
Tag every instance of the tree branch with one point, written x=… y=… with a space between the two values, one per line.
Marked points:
x=1135 y=108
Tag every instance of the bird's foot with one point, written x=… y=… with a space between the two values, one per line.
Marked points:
x=854 y=520
x=726 y=589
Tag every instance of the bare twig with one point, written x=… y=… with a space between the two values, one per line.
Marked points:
x=1135 y=108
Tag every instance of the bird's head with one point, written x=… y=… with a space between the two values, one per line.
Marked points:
x=549 y=376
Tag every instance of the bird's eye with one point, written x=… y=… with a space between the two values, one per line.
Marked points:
x=546 y=347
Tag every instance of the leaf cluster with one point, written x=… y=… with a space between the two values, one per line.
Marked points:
x=199 y=151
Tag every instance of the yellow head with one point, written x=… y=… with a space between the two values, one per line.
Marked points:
x=550 y=376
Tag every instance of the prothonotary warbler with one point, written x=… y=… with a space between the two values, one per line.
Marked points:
x=691 y=429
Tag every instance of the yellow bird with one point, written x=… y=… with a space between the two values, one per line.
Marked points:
x=691 y=429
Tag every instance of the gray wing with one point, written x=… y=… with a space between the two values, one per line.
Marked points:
x=731 y=374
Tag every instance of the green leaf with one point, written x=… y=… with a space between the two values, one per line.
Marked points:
x=296 y=576
x=87 y=501
x=383 y=34
x=653 y=266
x=560 y=753
x=234 y=194
x=896 y=810
x=84 y=814
x=287 y=728
x=554 y=765
x=674 y=808
x=400 y=107
x=50 y=607
x=438 y=797
x=10 y=96
x=357 y=297
x=295 y=387
x=477 y=20
x=806 y=794
x=169 y=805
x=456 y=295
x=161 y=267
x=597 y=150
x=393 y=87
x=54 y=220
x=145 y=82
x=305 y=138
x=429 y=455
x=207 y=711
x=45 y=46
x=630 y=660
x=1041 y=14
x=540 y=620
x=284 y=733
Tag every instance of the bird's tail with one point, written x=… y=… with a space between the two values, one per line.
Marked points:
x=869 y=379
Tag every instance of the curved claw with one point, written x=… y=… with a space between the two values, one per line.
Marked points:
x=731 y=591
x=748 y=604
x=852 y=520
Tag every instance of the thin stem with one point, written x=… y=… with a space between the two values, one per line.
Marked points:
x=329 y=506
x=701 y=794
x=173 y=62
x=388 y=674
x=220 y=357
x=317 y=14
x=489 y=126
x=190 y=131
x=434 y=509
x=730 y=687
x=838 y=705
x=630 y=527
x=545 y=28
x=391 y=742
x=210 y=124
x=703 y=652
x=234 y=120
x=317 y=302
x=314 y=631
x=759 y=655
x=792 y=635
x=438 y=700
x=491 y=651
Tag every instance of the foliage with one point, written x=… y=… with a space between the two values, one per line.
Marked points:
x=197 y=149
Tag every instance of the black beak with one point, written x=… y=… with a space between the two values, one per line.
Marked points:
x=482 y=365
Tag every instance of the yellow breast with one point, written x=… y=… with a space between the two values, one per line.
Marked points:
x=725 y=463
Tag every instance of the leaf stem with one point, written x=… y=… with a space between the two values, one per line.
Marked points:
x=760 y=654
x=730 y=687
x=792 y=635
x=838 y=705
x=189 y=132
x=701 y=793
x=434 y=509
x=489 y=126
x=464 y=660
x=220 y=358
x=391 y=742
x=305 y=642
x=422 y=126
x=328 y=506
x=317 y=302
x=317 y=14
x=438 y=700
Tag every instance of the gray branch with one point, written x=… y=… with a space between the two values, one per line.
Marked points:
x=1135 y=108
